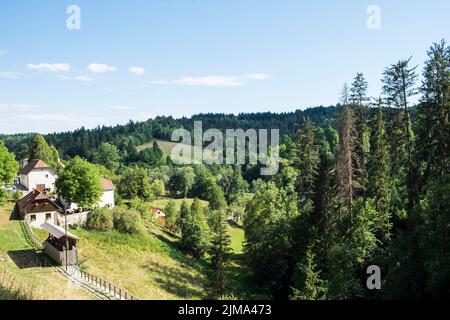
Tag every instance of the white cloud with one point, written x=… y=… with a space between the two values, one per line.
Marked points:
x=10 y=74
x=47 y=117
x=214 y=81
x=18 y=107
x=51 y=67
x=121 y=108
x=84 y=78
x=137 y=70
x=100 y=68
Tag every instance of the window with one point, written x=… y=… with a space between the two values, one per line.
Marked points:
x=46 y=175
x=33 y=217
x=48 y=216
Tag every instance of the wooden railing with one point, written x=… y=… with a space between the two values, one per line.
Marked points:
x=103 y=285
x=36 y=241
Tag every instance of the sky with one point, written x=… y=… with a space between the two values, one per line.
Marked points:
x=144 y=58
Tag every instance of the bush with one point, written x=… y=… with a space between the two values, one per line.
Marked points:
x=100 y=219
x=141 y=206
x=127 y=221
x=17 y=195
x=4 y=196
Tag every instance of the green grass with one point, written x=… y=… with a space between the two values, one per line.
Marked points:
x=149 y=266
x=26 y=273
x=165 y=146
x=237 y=238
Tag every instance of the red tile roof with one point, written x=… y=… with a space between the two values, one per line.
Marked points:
x=34 y=164
x=107 y=184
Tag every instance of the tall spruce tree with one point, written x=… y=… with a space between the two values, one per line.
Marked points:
x=307 y=163
x=194 y=238
x=380 y=185
x=219 y=251
x=42 y=151
x=398 y=87
x=434 y=114
x=358 y=100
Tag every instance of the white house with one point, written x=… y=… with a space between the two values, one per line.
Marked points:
x=36 y=174
x=106 y=200
x=37 y=208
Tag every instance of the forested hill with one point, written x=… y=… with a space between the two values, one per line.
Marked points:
x=82 y=141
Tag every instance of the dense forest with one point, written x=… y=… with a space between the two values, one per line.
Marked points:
x=365 y=182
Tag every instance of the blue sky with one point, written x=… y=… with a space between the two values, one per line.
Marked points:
x=198 y=56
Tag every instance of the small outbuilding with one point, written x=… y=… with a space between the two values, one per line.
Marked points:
x=60 y=244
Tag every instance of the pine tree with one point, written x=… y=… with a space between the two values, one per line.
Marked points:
x=193 y=229
x=219 y=251
x=398 y=86
x=308 y=284
x=358 y=99
x=307 y=163
x=434 y=114
x=42 y=151
x=380 y=184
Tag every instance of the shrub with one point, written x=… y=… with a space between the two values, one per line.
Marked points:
x=4 y=196
x=141 y=206
x=127 y=221
x=100 y=219
x=17 y=195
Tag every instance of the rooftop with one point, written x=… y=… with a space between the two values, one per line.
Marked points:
x=34 y=164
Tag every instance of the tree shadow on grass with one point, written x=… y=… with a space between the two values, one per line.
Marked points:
x=30 y=258
x=175 y=281
x=177 y=254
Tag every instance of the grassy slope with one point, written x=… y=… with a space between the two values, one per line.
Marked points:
x=237 y=238
x=24 y=271
x=149 y=266
x=167 y=146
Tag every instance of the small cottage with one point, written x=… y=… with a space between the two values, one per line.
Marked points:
x=37 y=208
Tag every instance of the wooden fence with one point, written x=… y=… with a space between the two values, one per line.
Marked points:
x=37 y=242
x=103 y=285
x=84 y=276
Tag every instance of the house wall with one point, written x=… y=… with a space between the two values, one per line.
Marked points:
x=40 y=218
x=42 y=176
x=107 y=199
x=60 y=256
x=24 y=181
